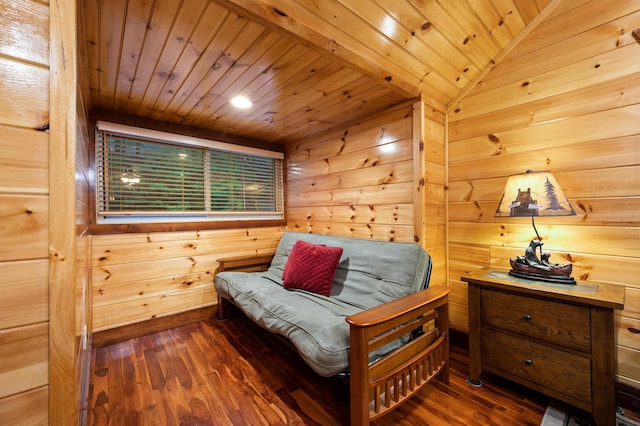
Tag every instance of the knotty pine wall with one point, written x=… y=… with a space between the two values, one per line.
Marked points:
x=24 y=211
x=143 y=276
x=566 y=99
x=432 y=204
x=381 y=178
x=44 y=268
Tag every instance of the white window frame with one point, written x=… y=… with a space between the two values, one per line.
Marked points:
x=106 y=217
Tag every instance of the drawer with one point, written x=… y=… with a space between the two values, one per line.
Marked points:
x=558 y=323
x=553 y=369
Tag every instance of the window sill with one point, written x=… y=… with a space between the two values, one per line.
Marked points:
x=128 y=228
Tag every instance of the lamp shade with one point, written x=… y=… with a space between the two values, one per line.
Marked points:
x=533 y=194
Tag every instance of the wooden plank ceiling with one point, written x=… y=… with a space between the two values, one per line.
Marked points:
x=308 y=65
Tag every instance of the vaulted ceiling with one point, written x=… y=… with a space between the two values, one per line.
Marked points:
x=307 y=65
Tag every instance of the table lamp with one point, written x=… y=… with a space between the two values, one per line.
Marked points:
x=536 y=194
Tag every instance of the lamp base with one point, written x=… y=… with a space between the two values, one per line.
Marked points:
x=531 y=267
x=558 y=279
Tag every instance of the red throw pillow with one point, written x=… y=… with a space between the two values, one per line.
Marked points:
x=311 y=267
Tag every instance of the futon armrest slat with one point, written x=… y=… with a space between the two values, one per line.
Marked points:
x=398 y=311
x=415 y=367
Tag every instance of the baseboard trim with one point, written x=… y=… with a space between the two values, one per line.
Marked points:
x=126 y=332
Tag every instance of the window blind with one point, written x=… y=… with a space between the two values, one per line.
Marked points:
x=150 y=178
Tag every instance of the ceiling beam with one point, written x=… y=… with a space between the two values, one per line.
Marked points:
x=293 y=20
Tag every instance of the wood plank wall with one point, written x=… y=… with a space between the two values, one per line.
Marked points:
x=433 y=200
x=355 y=181
x=567 y=100
x=138 y=277
x=381 y=178
x=24 y=212
x=34 y=197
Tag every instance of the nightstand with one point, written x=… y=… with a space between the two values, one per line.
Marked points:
x=558 y=339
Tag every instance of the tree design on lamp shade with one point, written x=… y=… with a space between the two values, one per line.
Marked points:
x=554 y=203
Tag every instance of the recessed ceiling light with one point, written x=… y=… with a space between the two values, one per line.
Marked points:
x=241 y=102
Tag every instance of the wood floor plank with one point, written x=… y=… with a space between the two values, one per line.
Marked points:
x=192 y=407
x=163 y=357
x=180 y=397
x=155 y=371
x=164 y=410
x=145 y=390
x=234 y=373
x=150 y=416
x=133 y=392
x=313 y=409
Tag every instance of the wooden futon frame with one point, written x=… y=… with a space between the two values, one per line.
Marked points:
x=380 y=386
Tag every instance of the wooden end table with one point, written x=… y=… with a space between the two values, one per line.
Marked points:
x=558 y=339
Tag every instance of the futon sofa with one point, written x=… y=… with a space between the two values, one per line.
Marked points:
x=349 y=306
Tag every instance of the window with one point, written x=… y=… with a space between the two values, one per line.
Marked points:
x=151 y=176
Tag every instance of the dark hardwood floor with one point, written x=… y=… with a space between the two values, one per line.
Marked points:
x=235 y=373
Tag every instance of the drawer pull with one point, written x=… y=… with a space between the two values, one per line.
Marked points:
x=527 y=317
x=528 y=362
